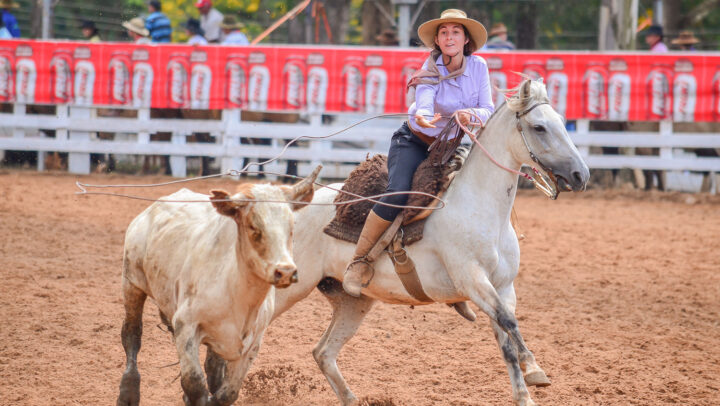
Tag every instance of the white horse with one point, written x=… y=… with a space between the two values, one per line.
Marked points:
x=469 y=250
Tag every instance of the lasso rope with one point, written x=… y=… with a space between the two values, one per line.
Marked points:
x=233 y=172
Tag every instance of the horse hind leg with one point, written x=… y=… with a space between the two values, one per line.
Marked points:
x=348 y=314
x=131 y=334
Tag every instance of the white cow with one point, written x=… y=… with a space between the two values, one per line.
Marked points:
x=211 y=269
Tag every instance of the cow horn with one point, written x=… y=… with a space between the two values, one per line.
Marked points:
x=303 y=191
x=306 y=184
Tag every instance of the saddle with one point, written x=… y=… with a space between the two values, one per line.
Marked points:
x=371 y=178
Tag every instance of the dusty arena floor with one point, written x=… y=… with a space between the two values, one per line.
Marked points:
x=618 y=297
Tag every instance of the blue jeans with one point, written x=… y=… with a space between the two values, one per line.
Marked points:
x=407 y=151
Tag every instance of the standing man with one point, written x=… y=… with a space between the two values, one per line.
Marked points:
x=9 y=21
x=654 y=39
x=499 y=38
x=136 y=31
x=210 y=20
x=231 y=32
x=157 y=23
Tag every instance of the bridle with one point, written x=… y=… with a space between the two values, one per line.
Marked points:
x=538 y=180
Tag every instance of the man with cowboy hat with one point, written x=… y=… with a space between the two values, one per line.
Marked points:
x=387 y=38
x=498 y=38
x=231 y=32
x=8 y=20
x=451 y=79
x=137 y=31
x=686 y=40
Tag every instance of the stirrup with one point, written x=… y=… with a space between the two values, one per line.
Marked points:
x=366 y=262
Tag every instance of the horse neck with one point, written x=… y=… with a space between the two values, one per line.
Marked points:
x=483 y=184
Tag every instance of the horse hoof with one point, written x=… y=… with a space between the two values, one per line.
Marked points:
x=526 y=402
x=537 y=378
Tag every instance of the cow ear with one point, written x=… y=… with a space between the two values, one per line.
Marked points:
x=221 y=203
x=302 y=191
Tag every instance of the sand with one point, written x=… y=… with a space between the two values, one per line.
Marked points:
x=618 y=297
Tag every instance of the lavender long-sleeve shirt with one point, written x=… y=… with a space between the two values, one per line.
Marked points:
x=469 y=90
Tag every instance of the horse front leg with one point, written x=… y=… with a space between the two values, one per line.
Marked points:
x=484 y=295
x=348 y=314
x=530 y=373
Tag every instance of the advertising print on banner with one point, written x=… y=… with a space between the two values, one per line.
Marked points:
x=599 y=86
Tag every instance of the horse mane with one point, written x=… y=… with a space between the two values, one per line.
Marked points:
x=527 y=93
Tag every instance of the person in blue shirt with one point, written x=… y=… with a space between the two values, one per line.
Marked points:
x=157 y=23
x=451 y=79
x=9 y=21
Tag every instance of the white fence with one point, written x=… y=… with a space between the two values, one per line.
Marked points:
x=76 y=127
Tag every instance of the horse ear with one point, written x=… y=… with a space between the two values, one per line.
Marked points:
x=525 y=89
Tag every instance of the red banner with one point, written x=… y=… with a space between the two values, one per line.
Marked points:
x=603 y=86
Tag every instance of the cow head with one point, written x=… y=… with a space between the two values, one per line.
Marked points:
x=264 y=218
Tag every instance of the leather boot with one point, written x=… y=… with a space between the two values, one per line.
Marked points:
x=360 y=269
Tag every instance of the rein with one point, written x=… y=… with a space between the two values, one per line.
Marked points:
x=542 y=184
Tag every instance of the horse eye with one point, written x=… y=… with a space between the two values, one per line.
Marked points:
x=539 y=128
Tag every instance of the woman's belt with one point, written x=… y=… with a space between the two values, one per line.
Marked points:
x=424 y=138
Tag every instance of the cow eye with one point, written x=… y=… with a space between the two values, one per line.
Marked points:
x=539 y=128
x=255 y=233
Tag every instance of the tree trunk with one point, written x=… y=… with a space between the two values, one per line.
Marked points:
x=374 y=21
x=527 y=25
x=338 y=17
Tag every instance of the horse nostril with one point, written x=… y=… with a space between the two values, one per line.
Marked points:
x=577 y=177
x=294 y=277
x=278 y=275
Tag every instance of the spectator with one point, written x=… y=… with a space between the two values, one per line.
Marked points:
x=90 y=32
x=210 y=20
x=8 y=20
x=137 y=31
x=4 y=33
x=231 y=32
x=388 y=38
x=157 y=23
x=654 y=39
x=686 y=41
x=499 y=39
x=195 y=32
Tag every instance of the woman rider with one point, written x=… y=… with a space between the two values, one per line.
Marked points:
x=451 y=79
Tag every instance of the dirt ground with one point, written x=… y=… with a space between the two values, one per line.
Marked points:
x=618 y=297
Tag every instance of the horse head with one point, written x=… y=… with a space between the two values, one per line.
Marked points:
x=548 y=147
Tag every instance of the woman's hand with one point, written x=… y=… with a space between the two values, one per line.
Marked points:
x=465 y=117
x=422 y=122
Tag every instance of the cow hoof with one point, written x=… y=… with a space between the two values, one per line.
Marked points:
x=537 y=378
x=129 y=389
x=526 y=402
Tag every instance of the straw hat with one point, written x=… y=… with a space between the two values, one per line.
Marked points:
x=136 y=25
x=477 y=31
x=685 y=38
x=230 y=23
x=8 y=4
x=497 y=29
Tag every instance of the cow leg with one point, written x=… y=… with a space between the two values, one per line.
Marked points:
x=484 y=295
x=192 y=378
x=131 y=334
x=214 y=369
x=235 y=373
x=348 y=314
